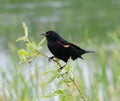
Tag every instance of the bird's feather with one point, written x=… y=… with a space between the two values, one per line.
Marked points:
x=63 y=44
x=63 y=49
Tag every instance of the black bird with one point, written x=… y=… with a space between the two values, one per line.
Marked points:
x=63 y=49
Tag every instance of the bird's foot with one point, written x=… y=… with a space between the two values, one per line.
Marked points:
x=51 y=58
x=61 y=68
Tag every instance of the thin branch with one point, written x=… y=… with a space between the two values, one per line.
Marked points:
x=54 y=60
x=76 y=85
x=73 y=81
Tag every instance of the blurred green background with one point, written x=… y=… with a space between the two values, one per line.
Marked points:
x=92 y=24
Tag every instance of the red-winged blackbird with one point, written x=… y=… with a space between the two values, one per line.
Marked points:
x=63 y=49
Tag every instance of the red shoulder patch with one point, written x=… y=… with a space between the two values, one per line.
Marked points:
x=62 y=44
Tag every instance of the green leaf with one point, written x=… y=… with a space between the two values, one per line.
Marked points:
x=23 y=52
x=26 y=99
x=47 y=96
x=25 y=29
x=31 y=46
x=22 y=59
x=67 y=68
x=63 y=98
x=24 y=38
x=49 y=71
x=58 y=92
x=52 y=78
x=23 y=55
x=66 y=92
x=40 y=47
x=67 y=81
x=40 y=43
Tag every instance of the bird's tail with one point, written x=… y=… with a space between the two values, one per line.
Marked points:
x=89 y=51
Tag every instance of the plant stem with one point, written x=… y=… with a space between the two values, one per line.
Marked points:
x=76 y=85
x=73 y=81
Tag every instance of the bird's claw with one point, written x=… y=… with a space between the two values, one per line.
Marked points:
x=51 y=58
x=61 y=68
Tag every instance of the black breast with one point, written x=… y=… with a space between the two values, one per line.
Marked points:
x=59 y=51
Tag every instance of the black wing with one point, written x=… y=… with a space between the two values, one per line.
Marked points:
x=78 y=49
x=63 y=43
x=72 y=50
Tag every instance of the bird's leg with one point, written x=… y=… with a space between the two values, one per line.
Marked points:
x=51 y=58
x=61 y=67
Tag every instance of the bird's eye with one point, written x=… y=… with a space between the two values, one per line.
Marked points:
x=47 y=33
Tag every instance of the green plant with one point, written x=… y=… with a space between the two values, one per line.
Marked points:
x=32 y=51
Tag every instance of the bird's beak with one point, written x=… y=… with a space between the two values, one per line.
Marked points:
x=44 y=34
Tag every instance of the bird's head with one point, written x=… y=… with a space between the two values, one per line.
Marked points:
x=51 y=35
